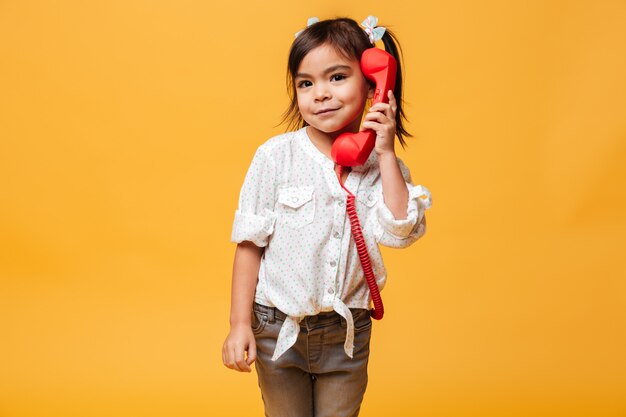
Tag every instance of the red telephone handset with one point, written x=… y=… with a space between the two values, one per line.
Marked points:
x=351 y=149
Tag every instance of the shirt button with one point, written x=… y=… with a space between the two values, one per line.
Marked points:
x=370 y=197
x=336 y=235
x=331 y=291
x=294 y=199
x=333 y=263
x=340 y=203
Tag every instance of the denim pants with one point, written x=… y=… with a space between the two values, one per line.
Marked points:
x=315 y=377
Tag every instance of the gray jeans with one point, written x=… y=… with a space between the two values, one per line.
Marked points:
x=315 y=377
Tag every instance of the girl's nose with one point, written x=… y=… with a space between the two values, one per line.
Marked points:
x=321 y=91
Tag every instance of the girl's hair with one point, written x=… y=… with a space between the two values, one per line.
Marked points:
x=350 y=40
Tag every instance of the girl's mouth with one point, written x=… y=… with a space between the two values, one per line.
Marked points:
x=325 y=111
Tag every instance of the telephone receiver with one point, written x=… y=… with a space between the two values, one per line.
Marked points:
x=351 y=149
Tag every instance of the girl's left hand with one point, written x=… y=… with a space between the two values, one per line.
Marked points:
x=381 y=118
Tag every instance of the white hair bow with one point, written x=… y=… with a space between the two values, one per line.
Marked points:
x=374 y=33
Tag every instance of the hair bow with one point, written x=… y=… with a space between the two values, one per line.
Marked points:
x=309 y=22
x=374 y=33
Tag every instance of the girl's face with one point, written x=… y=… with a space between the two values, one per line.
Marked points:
x=331 y=91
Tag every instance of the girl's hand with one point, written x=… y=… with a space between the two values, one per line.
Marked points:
x=239 y=340
x=381 y=118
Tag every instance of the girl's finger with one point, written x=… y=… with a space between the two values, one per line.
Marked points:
x=233 y=360
x=251 y=353
x=376 y=116
x=384 y=118
x=240 y=362
x=379 y=107
x=374 y=125
x=390 y=113
x=225 y=358
x=392 y=101
x=369 y=125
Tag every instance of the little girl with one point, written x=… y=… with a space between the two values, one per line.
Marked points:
x=300 y=303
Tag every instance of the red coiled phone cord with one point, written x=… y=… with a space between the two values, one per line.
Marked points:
x=378 y=311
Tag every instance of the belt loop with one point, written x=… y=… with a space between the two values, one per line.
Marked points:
x=271 y=314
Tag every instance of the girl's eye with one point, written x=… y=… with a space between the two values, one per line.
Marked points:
x=336 y=77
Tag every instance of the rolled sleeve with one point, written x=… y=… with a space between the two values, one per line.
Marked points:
x=252 y=227
x=402 y=233
x=419 y=201
x=255 y=218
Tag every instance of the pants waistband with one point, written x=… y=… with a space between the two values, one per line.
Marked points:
x=274 y=313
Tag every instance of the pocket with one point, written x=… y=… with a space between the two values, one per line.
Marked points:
x=259 y=320
x=296 y=206
x=362 y=320
x=367 y=198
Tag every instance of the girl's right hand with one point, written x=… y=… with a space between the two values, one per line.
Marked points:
x=240 y=339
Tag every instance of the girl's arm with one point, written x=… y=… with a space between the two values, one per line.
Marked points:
x=395 y=192
x=401 y=219
x=382 y=119
x=240 y=339
x=245 y=276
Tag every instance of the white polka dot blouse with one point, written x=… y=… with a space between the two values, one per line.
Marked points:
x=291 y=203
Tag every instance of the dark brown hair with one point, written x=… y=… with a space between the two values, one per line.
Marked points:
x=350 y=40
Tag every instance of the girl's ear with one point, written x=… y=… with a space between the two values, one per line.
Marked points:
x=371 y=87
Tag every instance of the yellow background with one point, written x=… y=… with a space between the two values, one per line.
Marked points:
x=126 y=128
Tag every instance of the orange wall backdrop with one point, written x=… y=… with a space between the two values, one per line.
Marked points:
x=126 y=129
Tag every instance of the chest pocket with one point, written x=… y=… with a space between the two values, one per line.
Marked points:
x=296 y=206
x=367 y=198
